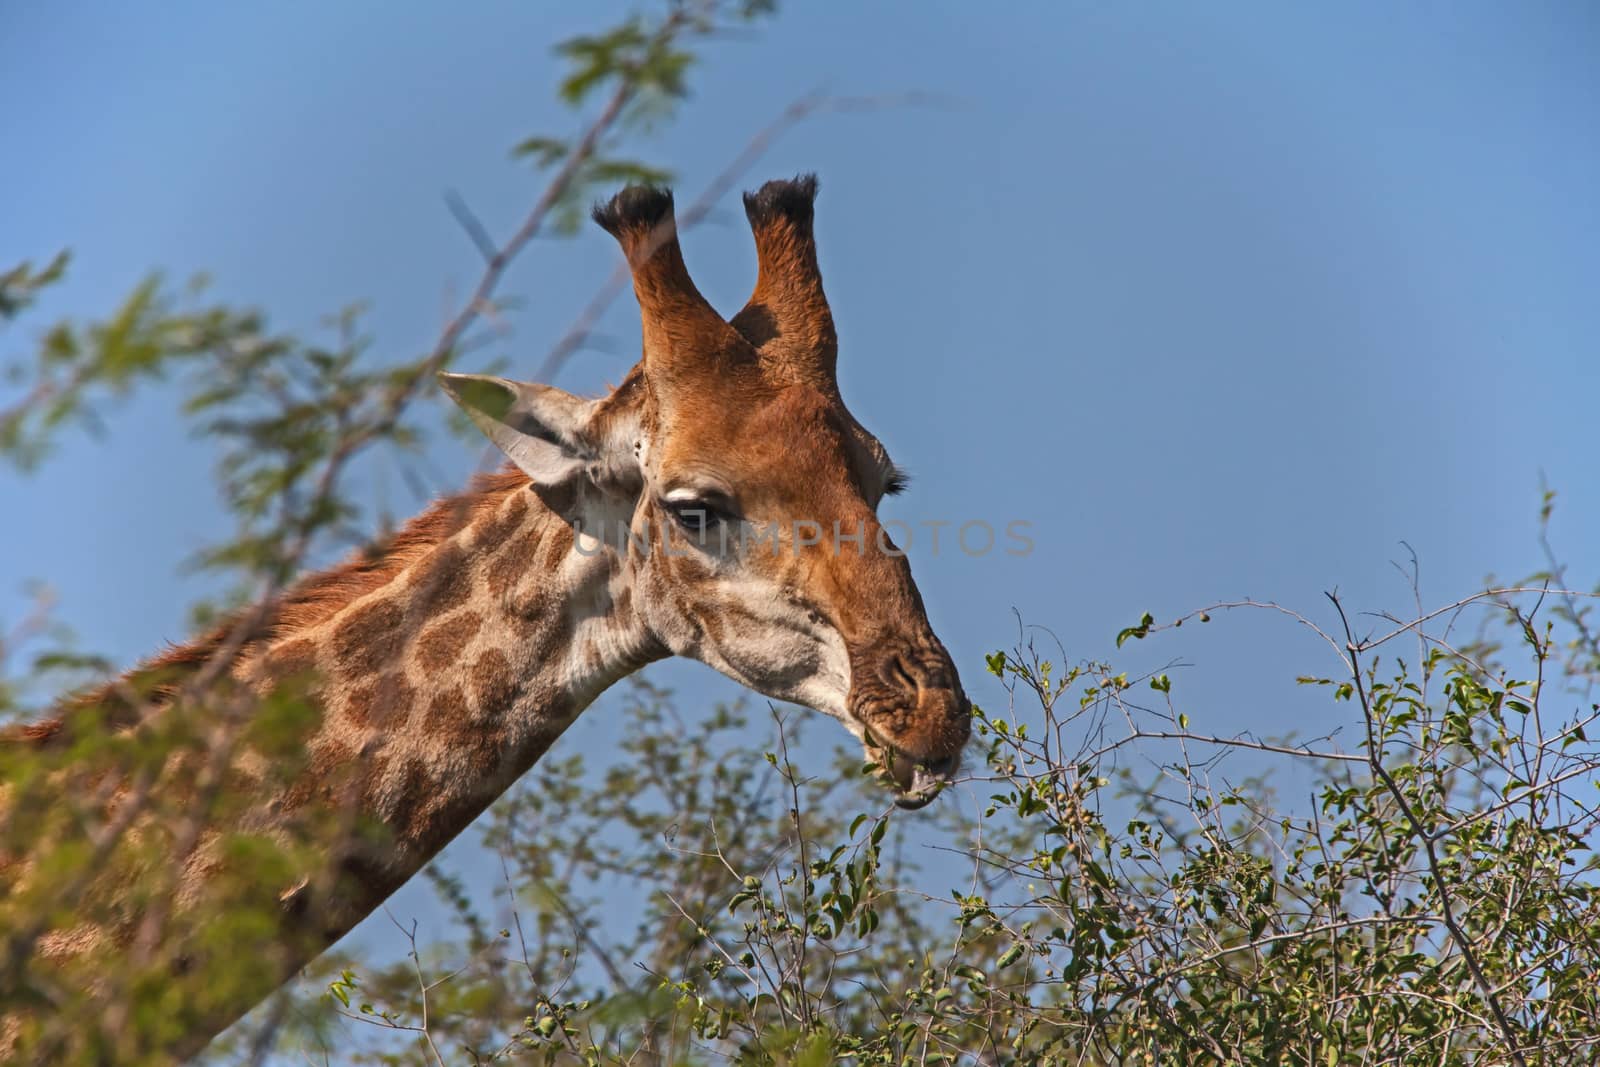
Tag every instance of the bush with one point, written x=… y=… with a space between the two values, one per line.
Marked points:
x=1437 y=904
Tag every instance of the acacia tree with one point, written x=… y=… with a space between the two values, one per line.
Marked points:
x=1122 y=899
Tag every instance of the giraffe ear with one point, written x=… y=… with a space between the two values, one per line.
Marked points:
x=540 y=428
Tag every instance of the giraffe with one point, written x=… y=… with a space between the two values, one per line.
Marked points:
x=445 y=664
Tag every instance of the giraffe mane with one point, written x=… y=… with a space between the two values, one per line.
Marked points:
x=311 y=599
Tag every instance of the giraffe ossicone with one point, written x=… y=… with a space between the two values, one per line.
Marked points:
x=448 y=662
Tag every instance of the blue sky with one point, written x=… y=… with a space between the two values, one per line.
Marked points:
x=1225 y=301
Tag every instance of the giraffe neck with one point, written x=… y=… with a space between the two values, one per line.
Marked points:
x=446 y=683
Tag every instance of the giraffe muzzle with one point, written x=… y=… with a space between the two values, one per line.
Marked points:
x=917 y=719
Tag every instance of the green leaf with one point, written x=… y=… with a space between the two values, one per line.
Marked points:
x=543 y=151
x=1137 y=632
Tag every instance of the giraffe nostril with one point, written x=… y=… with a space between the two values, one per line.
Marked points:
x=897 y=671
x=944 y=768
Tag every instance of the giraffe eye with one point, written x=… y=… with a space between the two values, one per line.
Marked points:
x=696 y=516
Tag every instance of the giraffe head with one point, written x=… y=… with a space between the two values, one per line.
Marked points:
x=738 y=495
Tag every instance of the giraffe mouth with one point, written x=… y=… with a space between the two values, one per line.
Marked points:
x=915 y=782
x=925 y=785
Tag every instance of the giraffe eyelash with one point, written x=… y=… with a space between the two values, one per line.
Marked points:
x=896 y=483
